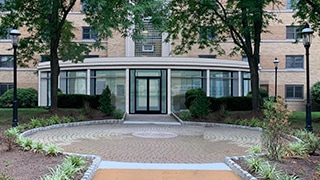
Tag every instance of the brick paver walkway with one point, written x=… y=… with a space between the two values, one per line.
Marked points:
x=153 y=143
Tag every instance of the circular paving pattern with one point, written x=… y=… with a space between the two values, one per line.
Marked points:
x=154 y=134
x=153 y=143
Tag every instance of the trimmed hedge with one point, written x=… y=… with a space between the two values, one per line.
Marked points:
x=231 y=103
x=78 y=100
x=27 y=97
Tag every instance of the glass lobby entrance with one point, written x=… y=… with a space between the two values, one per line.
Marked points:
x=148 y=92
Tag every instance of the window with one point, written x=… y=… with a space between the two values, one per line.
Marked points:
x=293 y=32
x=207 y=33
x=223 y=83
x=294 y=91
x=84 y=5
x=6 y=61
x=4 y=87
x=89 y=33
x=151 y=45
x=73 y=82
x=289 y=3
x=294 y=62
x=45 y=58
x=244 y=58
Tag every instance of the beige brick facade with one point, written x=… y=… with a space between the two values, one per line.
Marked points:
x=274 y=44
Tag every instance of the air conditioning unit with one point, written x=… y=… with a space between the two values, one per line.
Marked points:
x=147 y=48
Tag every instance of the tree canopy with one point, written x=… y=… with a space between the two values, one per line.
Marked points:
x=239 y=21
x=49 y=31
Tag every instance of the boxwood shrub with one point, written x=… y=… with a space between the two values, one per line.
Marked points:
x=78 y=100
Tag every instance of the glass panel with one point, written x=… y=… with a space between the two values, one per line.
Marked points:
x=154 y=94
x=141 y=94
x=154 y=73
x=181 y=82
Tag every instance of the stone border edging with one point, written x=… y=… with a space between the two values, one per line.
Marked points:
x=88 y=175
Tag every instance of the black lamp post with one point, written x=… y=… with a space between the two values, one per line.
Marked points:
x=275 y=62
x=15 y=38
x=306 y=37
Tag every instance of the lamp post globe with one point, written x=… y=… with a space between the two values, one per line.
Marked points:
x=275 y=62
x=15 y=39
x=306 y=39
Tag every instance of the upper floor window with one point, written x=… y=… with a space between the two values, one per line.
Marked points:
x=244 y=58
x=294 y=62
x=83 y=4
x=89 y=33
x=207 y=33
x=294 y=91
x=45 y=58
x=293 y=32
x=6 y=61
x=289 y=3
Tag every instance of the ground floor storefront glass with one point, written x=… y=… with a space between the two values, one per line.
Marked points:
x=146 y=90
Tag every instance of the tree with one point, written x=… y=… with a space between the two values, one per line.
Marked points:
x=106 y=106
x=49 y=31
x=242 y=21
x=307 y=11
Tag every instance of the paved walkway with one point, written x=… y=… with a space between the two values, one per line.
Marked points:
x=124 y=145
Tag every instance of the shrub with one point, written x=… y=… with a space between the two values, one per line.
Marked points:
x=118 y=114
x=199 y=107
x=106 y=106
x=185 y=115
x=231 y=103
x=315 y=92
x=192 y=94
x=310 y=140
x=27 y=97
x=276 y=121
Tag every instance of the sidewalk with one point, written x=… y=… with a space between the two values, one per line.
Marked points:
x=156 y=148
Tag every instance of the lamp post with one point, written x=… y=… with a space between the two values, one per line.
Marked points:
x=15 y=38
x=306 y=38
x=275 y=62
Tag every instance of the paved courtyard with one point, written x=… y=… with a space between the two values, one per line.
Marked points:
x=149 y=143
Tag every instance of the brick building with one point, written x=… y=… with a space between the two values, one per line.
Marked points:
x=146 y=77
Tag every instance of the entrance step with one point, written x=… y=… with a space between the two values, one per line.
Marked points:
x=151 y=119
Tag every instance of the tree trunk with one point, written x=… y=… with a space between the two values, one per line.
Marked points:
x=254 y=74
x=54 y=59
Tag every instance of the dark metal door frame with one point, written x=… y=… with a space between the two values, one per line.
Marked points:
x=148 y=111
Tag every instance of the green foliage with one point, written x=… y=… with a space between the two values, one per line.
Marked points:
x=52 y=150
x=4 y=176
x=310 y=140
x=67 y=170
x=276 y=122
x=254 y=149
x=253 y=163
x=192 y=94
x=117 y=114
x=26 y=144
x=231 y=103
x=200 y=105
x=37 y=147
x=106 y=106
x=27 y=97
x=296 y=149
x=266 y=171
x=84 y=101
x=315 y=92
x=185 y=115
x=306 y=11
x=11 y=134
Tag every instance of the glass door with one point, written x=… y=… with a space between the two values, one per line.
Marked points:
x=148 y=95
